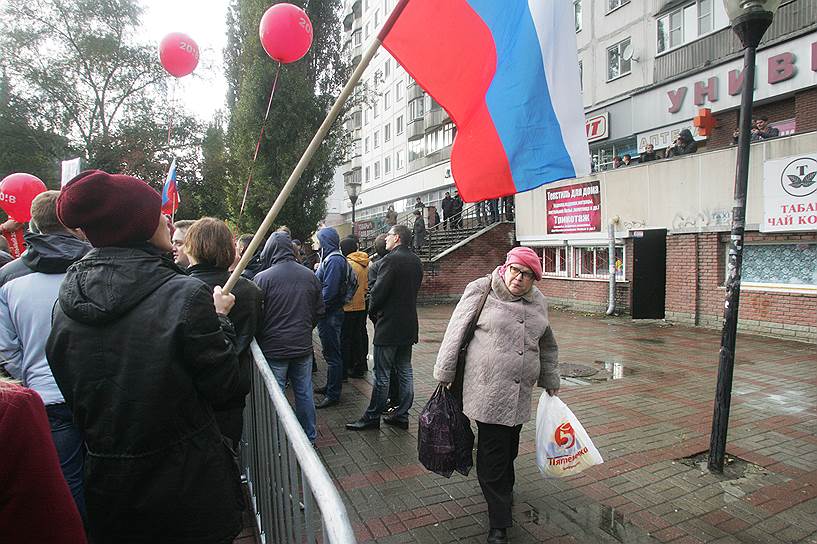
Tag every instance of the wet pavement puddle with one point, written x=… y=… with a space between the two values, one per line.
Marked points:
x=597 y=522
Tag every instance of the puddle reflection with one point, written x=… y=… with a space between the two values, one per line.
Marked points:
x=598 y=522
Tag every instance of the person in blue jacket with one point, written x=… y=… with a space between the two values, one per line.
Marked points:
x=332 y=275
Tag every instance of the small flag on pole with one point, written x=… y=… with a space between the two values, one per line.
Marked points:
x=170 y=192
x=508 y=74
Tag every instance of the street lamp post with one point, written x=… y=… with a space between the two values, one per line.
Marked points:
x=353 y=190
x=749 y=19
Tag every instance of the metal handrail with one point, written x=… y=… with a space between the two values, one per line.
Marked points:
x=286 y=477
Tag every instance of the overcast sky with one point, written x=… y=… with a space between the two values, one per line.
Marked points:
x=201 y=93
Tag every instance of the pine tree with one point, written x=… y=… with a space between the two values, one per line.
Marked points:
x=306 y=90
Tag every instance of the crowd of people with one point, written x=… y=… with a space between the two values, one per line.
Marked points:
x=685 y=144
x=125 y=367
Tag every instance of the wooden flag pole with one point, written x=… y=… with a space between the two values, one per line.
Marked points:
x=310 y=151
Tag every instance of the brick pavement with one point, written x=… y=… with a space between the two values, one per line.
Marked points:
x=643 y=423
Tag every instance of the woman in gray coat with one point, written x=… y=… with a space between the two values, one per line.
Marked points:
x=513 y=348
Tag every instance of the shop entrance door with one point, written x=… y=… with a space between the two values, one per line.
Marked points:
x=649 y=273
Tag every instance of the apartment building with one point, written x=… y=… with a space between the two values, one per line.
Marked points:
x=401 y=138
x=648 y=69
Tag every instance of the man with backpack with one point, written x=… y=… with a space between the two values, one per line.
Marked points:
x=334 y=274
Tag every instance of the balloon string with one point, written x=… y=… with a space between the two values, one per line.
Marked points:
x=258 y=143
x=172 y=109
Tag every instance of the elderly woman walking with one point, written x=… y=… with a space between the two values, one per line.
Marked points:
x=512 y=349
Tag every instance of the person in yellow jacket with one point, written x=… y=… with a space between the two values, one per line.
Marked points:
x=354 y=339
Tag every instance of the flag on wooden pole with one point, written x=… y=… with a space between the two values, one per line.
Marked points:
x=507 y=72
x=170 y=192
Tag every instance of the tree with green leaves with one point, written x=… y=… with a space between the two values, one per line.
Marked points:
x=26 y=146
x=305 y=91
x=77 y=69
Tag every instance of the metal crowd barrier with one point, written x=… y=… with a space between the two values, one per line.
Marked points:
x=292 y=494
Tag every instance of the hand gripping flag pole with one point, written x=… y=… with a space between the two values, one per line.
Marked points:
x=312 y=148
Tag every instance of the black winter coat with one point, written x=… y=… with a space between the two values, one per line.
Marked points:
x=246 y=319
x=293 y=302
x=393 y=302
x=142 y=358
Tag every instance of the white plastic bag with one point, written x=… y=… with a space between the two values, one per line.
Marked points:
x=563 y=447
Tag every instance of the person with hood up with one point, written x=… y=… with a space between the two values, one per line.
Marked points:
x=331 y=273
x=685 y=144
x=28 y=290
x=210 y=250
x=293 y=304
x=142 y=354
x=354 y=338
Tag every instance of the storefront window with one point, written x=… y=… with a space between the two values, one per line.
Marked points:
x=592 y=262
x=602 y=154
x=780 y=264
x=554 y=261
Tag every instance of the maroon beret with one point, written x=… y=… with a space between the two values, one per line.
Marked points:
x=111 y=209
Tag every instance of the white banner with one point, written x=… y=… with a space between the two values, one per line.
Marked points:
x=790 y=194
x=70 y=169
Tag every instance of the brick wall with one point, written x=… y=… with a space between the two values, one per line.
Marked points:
x=695 y=292
x=805 y=107
x=445 y=279
x=802 y=107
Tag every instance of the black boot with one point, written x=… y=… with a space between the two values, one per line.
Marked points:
x=498 y=536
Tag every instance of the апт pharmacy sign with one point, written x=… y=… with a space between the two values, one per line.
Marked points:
x=790 y=194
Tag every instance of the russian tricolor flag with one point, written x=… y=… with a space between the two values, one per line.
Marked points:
x=507 y=73
x=170 y=192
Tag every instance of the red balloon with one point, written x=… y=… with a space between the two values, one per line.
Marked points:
x=16 y=193
x=286 y=32
x=179 y=54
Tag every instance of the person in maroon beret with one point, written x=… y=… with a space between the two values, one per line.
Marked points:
x=143 y=354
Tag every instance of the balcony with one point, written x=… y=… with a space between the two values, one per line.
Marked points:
x=416 y=129
x=435 y=117
x=792 y=18
x=414 y=91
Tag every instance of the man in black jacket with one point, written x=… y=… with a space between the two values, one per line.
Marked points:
x=142 y=354
x=393 y=304
x=293 y=304
x=447 y=206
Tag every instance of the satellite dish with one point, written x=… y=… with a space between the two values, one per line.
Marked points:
x=629 y=53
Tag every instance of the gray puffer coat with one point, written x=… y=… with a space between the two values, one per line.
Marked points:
x=513 y=348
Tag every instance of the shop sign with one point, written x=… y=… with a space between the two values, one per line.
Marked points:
x=597 y=127
x=364 y=229
x=781 y=69
x=665 y=136
x=790 y=194
x=574 y=208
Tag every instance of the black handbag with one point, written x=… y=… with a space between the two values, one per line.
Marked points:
x=456 y=386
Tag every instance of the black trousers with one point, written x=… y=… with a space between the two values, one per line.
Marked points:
x=354 y=342
x=497 y=448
